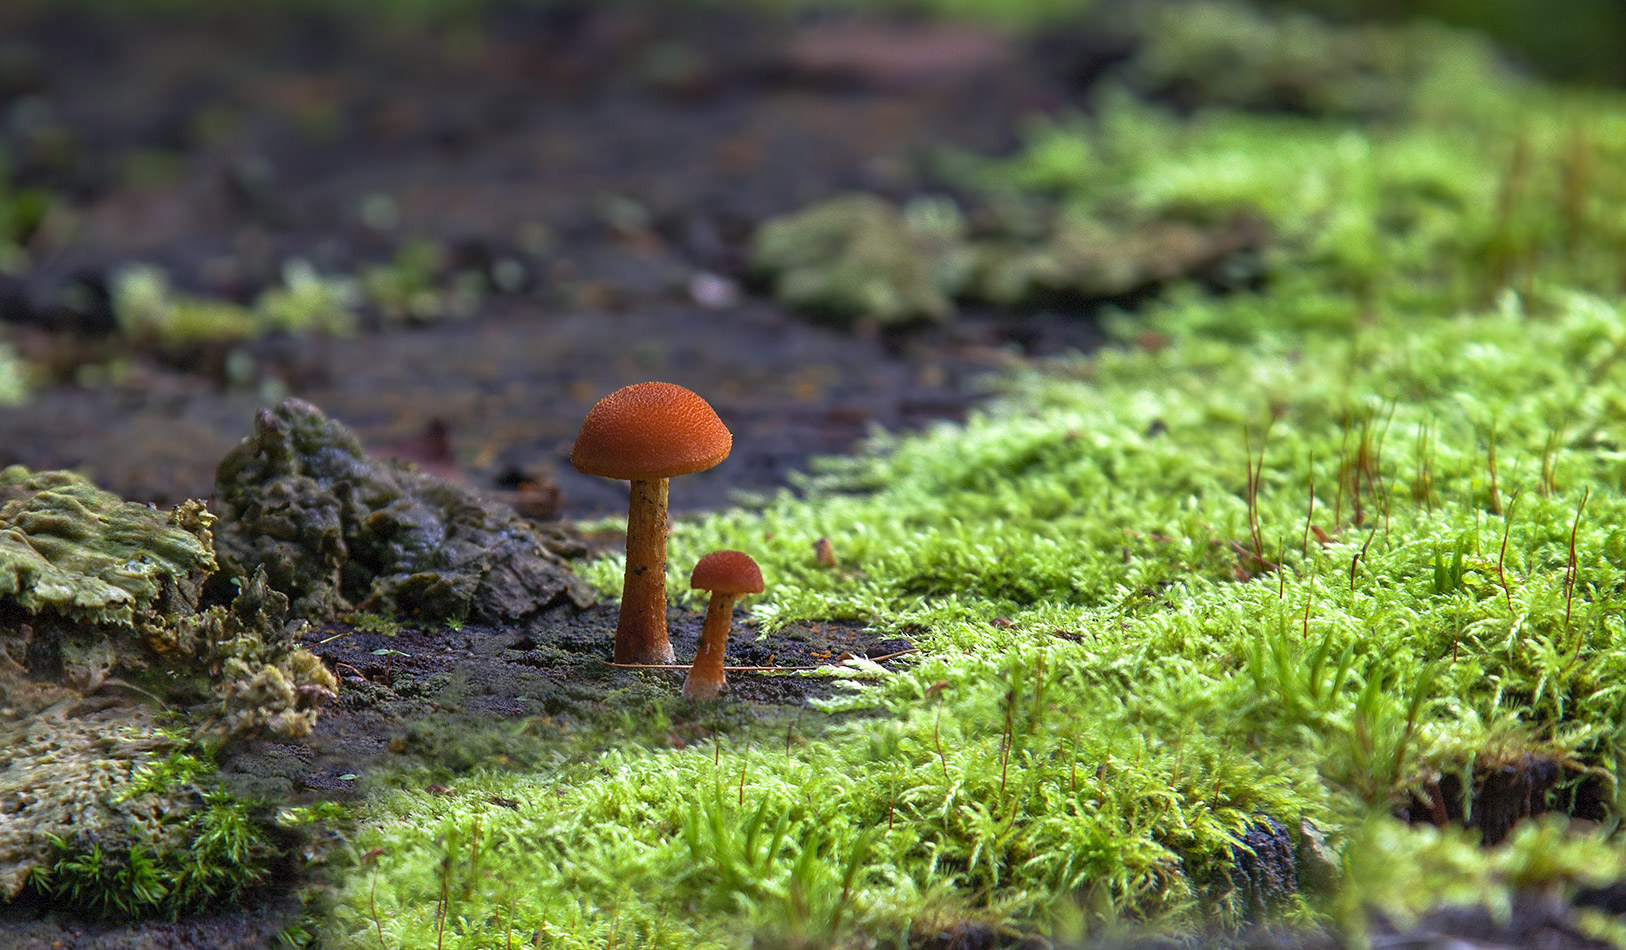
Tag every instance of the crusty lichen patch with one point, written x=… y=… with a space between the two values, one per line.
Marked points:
x=64 y=774
x=266 y=681
x=70 y=548
x=99 y=626
x=102 y=588
x=337 y=529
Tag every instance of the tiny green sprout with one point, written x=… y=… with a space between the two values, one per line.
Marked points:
x=317 y=813
x=1449 y=572
x=455 y=625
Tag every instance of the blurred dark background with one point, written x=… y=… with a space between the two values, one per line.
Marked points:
x=1570 y=40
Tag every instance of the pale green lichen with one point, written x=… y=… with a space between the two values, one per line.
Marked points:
x=13 y=377
x=1077 y=259
x=266 y=682
x=64 y=773
x=98 y=588
x=857 y=257
x=69 y=548
x=106 y=815
x=99 y=599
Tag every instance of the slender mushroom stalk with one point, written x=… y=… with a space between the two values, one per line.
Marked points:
x=640 y=634
x=647 y=434
x=727 y=574
x=706 y=676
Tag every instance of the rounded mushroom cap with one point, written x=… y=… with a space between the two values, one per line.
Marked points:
x=728 y=572
x=650 y=430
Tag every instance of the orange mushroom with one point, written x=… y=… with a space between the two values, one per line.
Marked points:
x=647 y=434
x=727 y=574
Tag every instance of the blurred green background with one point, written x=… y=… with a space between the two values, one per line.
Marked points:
x=1573 y=40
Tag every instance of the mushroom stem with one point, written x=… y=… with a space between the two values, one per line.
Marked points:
x=640 y=635
x=706 y=676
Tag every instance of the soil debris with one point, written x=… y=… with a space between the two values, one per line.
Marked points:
x=339 y=530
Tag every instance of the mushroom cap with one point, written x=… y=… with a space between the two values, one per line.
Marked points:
x=650 y=430
x=728 y=572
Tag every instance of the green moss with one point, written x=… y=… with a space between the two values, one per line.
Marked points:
x=1101 y=515
x=1432 y=218
x=859 y=257
x=412 y=287
x=308 y=302
x=149 y=312
x=112 y=814
x=13 y=377
x=23 y=211
x=1235 y=55
x=1417 y=176
x=201 y=848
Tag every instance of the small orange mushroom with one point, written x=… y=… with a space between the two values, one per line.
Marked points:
x=647 y=434
x=727 y=574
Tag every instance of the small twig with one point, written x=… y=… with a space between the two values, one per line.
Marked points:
x=751 y=669
x=115 y=681
x=1355 y=562
x=893 y=656
x=372 y=907
x=1264 y=563
x=1309 y=516
x=684 y=666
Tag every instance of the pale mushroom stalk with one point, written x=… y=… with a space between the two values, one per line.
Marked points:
x=640 y=635
x=706 y=676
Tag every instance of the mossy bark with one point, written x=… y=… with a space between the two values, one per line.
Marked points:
x=706 y=676
x=640 y=636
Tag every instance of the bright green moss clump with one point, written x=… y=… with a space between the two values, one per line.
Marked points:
x=1116 y=681
x=148 y=311
x=1304 y=555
